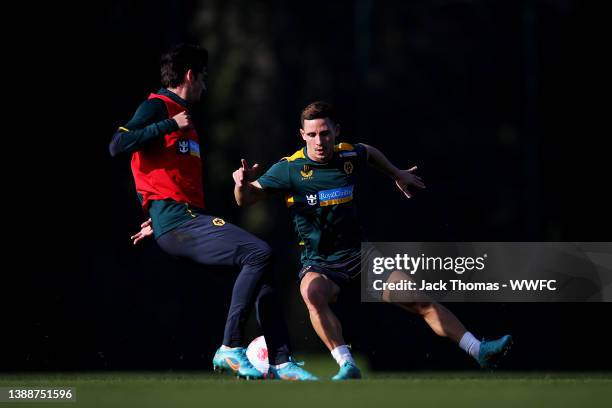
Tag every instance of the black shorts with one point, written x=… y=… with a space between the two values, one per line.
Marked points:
x=340 y=273
x=347 y=273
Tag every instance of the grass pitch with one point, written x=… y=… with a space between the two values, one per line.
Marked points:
x=462 y=389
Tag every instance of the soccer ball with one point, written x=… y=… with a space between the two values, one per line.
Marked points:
x=257 y=353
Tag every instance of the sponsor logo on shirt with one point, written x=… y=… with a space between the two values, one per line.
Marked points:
x=311 y=199
x=182 y=146
x=335 y=196
x=194 y=148
x=188 y=146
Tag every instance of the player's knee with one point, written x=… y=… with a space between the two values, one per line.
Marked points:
x=313 y=296
x=423 y=308
x=264 y=251
x=420 y=308
x=261 y=253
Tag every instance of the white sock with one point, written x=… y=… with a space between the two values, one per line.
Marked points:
x=342 y=355
x=224 y=347
x=470 y=344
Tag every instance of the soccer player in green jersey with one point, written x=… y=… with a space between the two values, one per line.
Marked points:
x=320 y=183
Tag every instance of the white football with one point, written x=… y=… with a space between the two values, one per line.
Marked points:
x=257 y=353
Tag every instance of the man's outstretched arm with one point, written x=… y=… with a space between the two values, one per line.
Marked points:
x=404 y=179
x=247 y=191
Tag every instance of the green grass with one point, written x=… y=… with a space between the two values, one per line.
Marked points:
x=378 y=390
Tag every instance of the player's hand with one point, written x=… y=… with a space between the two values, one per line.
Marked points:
x=183 y=120
x=146 y=230
x=406 y=180
x=246 y=174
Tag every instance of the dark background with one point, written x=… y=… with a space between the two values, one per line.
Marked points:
x=499 y=103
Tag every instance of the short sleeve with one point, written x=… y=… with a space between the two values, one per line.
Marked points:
x=277 y=177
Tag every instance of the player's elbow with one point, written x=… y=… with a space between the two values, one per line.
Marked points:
x=245 y=201
x=112 y=150
x=114 y=147
x=245 y=196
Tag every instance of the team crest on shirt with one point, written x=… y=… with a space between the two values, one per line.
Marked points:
x=306 y=172
x=219 y=222
x=348 y=167
x=311 y=199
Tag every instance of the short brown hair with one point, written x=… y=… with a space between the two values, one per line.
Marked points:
x=178 y=60
x=318 y=110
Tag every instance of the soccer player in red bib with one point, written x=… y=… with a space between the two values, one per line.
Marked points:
x=167 y=169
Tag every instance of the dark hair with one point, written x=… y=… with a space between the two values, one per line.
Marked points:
x=318 y=110
x=178 y=60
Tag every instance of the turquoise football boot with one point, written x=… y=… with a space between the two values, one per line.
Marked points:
x=235 y=361
x=493 y=351
x=348 y=371
x=293 y=371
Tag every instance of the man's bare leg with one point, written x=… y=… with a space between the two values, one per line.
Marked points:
x=445 y=324
x=441 y=320
x=318 y=292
